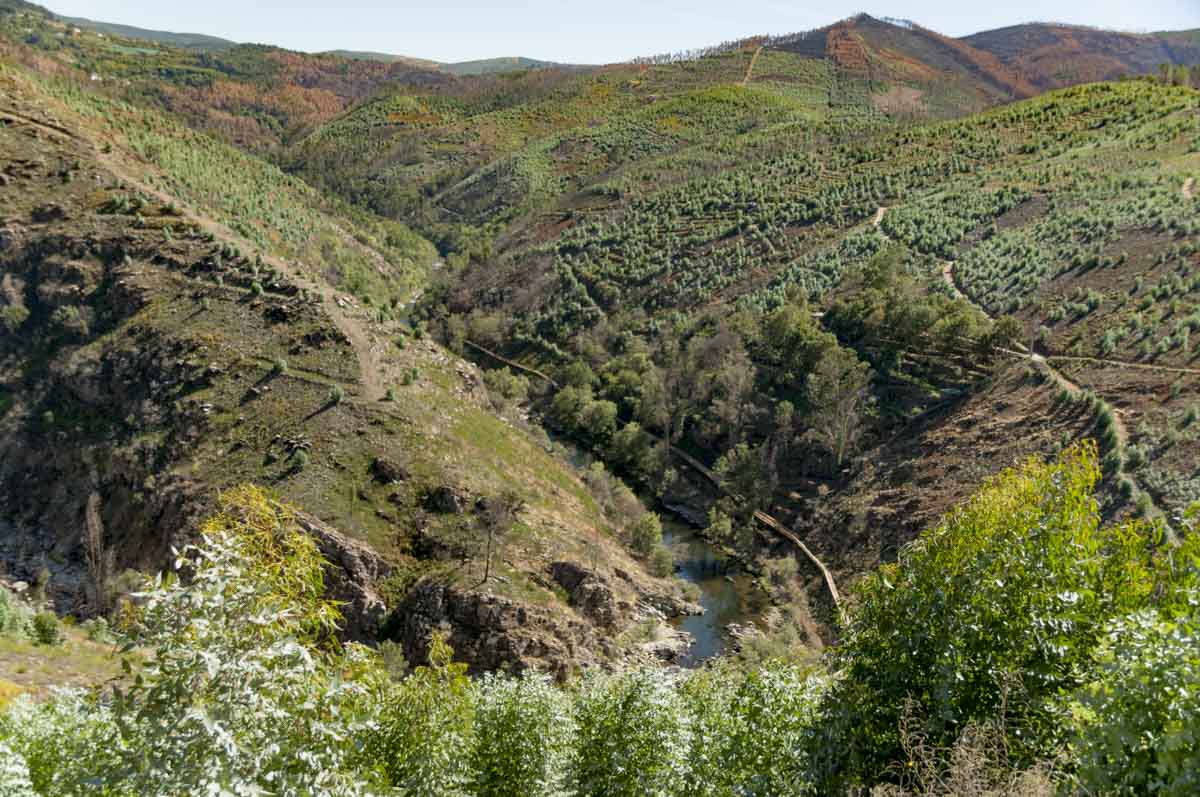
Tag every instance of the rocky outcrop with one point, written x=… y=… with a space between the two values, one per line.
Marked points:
x=494 y=633
x=351 y=577
x=590 y=594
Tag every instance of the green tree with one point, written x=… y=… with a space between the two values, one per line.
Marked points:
x=837 y=392
x=1002 y=605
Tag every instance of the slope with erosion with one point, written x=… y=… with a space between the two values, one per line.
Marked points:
x=151 y=354
x=1054 y=55
x=1068 y=212
x=886 y=51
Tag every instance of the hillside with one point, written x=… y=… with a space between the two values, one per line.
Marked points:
x=698 y=307
x=185 y=41
x=180 y=318
x=683 y=242
x=811 y=414
x=1053 y=56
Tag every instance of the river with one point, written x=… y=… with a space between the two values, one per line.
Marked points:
x=723 y=587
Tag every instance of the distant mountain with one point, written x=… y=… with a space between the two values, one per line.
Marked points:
x=1052 y=55
x=185 y=41
x=385 y=58
x=898 y=50
x=491 y=66
x=203 y=43
x=486 y=66
x=1180 y=34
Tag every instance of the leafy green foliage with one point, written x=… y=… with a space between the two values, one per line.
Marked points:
x=1137 y=720
x=45 y=629
x=1000 y=607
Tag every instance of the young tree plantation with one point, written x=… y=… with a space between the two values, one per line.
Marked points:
x=817 y=413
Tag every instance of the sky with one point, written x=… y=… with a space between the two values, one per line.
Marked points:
x=594 y=31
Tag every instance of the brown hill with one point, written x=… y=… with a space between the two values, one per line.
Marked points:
x=1053 y=56
x=886 y=51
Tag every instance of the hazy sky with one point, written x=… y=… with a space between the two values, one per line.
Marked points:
x=598 y=31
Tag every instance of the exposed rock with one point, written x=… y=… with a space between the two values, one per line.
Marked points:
x=738 y=634
x=692 y=515
x=446 y=500
x=354 y=571
x=669 y=646
x=386 y=471
x=48 y=212
x=590 y=594
x=492 y=633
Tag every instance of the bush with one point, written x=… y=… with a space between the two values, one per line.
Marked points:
x=15 y=615
x=46 y=630
x=336 y=395
x=97 y=630
x=645 y=536
x=12 y=317
x=523 y=730
x=662 y=564
x=1022 y=581
x=631 y=737
x=1136 y=723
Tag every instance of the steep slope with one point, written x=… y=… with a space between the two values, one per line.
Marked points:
x=1052 y=56
x=156 y=347
x=700 y=308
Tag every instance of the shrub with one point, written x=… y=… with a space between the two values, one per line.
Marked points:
x=631 y=737
x=1021 y=580
x=46 y=630
x=1136 y=722
x=662 y=564
x=15 y=615
x=424 y=728
x=12 y=317
x=645 y=536
x=741 y=721
x=240 y=699
x=336 y=395
x=97 y=630
x=523 y=730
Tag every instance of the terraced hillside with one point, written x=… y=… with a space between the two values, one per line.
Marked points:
x=1015 y=280
x=179 y=318
x=256 y=96
x=825 y=282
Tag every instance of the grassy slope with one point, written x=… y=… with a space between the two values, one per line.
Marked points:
x=243 y=421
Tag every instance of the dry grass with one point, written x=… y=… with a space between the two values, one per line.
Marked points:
x=978 y=765
x=28 y=667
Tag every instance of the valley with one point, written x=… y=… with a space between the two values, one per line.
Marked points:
x=814 y=413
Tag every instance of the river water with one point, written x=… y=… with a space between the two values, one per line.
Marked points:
x=723 y=587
